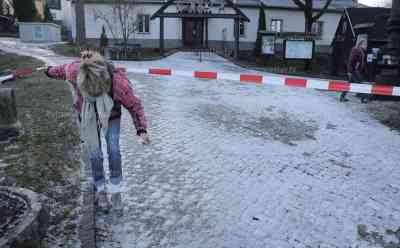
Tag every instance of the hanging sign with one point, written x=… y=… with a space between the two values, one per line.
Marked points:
x=268 y=44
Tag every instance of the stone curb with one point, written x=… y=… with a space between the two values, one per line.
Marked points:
x=30 y=231
x=87 y=223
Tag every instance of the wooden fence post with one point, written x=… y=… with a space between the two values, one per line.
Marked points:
x=9 y=124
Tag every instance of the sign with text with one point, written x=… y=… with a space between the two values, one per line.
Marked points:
x=299 y=49
x=268 y=44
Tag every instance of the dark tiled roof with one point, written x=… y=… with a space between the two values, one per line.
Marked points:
x=318 y=4
x=248 y=2
x=362 y=18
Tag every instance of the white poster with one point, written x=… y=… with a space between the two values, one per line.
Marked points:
x=299 y=49
x=268 y=44
x=370 y=58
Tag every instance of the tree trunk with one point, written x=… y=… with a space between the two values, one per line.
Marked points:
x=9 y=124
x=307 y=29
x=308 y=26
x=80 y=22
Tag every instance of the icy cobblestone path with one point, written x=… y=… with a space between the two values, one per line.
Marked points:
x=234 y=165
x=244 y=166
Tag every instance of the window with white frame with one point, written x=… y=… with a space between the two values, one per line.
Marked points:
x=242 y=28
x=317 y=28
x=143 y=23
x=276 y=25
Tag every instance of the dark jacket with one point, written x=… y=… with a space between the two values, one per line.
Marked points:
x=357 y=61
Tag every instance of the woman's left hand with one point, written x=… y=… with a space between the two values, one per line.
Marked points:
x=145 y=138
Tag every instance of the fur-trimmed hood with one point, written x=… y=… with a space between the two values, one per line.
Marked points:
x=94 y=77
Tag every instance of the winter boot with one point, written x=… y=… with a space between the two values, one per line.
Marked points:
x=102 y=201
x=343 y=97
x=116 y=200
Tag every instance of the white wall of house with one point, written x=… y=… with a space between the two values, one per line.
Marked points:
x=66 y=8
x=172 y=26
x=331 y=21
x=73 y=21
x=216 y=27
x=293 y=21
x=63 y=14
x=250 y=30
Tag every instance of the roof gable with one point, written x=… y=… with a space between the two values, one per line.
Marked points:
x=370 y=20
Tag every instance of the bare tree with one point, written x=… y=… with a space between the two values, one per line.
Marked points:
x=308 y=7
x=120 y=20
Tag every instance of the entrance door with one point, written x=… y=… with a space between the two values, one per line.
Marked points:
x=192 y=32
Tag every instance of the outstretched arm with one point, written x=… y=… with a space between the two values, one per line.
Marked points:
x=123 y=93
x=57 y=72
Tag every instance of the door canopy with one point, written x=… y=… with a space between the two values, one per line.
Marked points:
x=200 y=8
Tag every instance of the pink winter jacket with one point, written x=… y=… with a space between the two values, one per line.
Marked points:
x=122 y=93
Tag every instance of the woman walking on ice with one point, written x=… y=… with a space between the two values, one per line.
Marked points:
x=100 y=90
x=357 y=69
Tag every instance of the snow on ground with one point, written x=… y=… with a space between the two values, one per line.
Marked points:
x=236 y=165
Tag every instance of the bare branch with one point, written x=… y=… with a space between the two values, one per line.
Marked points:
x=322 y=11
x=301 y=4
x=109 y=23
x=120 y=20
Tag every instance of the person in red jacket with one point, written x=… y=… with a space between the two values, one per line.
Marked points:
x=99 y=91
x=357 y=68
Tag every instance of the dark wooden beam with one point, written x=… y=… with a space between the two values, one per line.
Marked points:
x=162 y=9
x=206 y=24
x=161 y=36
x=238 y=11
x=236 y=32
x=187 y=15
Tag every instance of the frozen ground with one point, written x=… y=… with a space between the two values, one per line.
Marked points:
x=235 y=165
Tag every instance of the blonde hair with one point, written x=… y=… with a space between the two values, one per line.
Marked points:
x=360 y=43
x=94 y=77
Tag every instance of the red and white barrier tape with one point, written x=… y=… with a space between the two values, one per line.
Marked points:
x=330 y=85
x=5 y=78
x=20 y=73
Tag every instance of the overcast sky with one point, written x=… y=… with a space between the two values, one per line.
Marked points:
x=374 y=2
